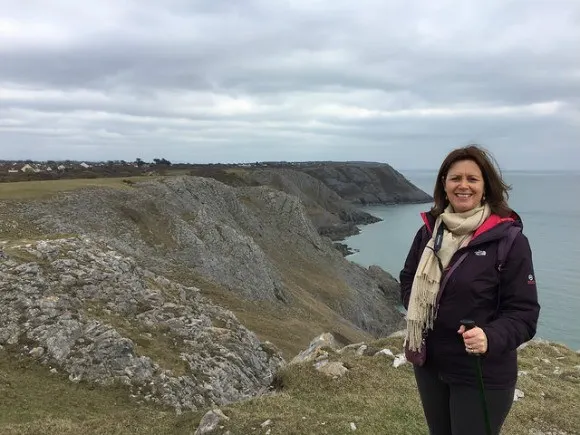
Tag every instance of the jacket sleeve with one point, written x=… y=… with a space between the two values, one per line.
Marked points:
x=518 y=308
x=408 y=273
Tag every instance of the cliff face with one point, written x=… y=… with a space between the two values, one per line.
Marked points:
x=255 y=243
x=331 y=214
x=368 y=183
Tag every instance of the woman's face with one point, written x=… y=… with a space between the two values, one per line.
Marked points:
x=464 y=185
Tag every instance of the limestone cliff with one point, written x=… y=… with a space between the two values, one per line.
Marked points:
x=367 y=183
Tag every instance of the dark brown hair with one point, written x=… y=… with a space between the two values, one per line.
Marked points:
x=496 y=190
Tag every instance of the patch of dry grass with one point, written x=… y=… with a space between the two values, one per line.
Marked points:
x=47 y=188
x=34 y=401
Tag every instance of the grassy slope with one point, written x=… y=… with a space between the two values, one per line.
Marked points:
x=377 y=397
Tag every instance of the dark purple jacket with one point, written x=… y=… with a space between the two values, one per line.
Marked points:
x=504 y=304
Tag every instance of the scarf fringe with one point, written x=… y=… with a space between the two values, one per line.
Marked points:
x=425 y=303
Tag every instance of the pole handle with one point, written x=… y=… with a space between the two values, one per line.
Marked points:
x=468 y=323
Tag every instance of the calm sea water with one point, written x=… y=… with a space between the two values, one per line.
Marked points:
x=549 y=204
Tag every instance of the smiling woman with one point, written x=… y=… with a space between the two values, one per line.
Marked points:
x=468 y=265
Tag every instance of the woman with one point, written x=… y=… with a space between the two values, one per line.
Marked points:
x=452 y=273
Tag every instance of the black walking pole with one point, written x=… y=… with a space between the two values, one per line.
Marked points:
x=468 y=325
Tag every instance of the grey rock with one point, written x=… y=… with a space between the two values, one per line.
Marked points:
x=37 y=352
x=210 y=422
x=313 y=350
x=217 y=365
x=361 y=350
x=333 y=369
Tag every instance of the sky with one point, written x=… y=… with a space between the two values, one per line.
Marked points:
x=401 y=82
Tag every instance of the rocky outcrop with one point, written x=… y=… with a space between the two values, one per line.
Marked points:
x=367 y=183
x=246 y=239
x=93 y=313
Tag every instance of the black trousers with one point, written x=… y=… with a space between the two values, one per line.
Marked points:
x=457 y=409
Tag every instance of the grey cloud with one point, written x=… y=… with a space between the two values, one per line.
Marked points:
x=220 y=80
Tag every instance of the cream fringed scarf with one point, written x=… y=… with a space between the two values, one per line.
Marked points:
x=422 y=303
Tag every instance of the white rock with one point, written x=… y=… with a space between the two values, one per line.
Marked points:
x=399 y=360
x=522 y=373
x=333 y=369
x=74 y=378
x=319 y=364
x=353 y=427
x=518 y=394
x=386 y=352
x=269 y=431
x=266 y=423
x=546 y=361
x=350 y=346
x=361 y=350
x=37 y=352
x=323 y=340
x=210 y=421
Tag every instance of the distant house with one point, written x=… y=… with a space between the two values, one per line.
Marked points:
x=49 y=169
x=27 y=168
x=61 y=167
x=84 y=165
x=12 y=171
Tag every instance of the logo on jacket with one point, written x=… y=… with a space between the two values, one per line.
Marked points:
x=480 y=253
x=531 y=279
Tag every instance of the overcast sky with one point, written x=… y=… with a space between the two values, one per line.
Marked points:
x=401 y=82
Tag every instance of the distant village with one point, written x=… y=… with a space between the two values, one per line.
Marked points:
x=30 y=166
x=29 y=170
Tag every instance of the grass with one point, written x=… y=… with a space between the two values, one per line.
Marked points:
x=47 y=188
x=375 y=396
x=34 y=401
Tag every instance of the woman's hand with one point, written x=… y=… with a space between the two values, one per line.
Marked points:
x=475 y=340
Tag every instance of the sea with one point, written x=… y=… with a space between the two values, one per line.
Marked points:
x=549 y=205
